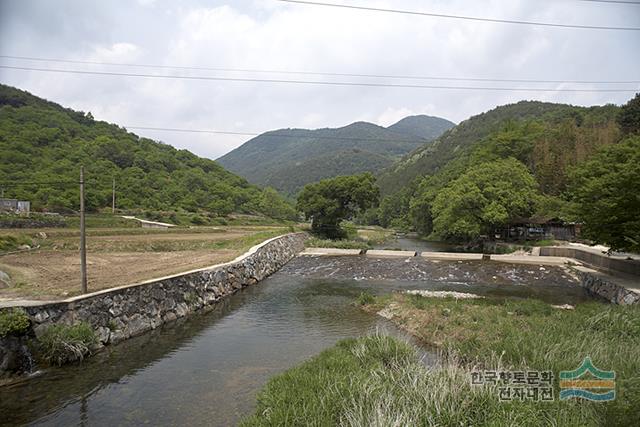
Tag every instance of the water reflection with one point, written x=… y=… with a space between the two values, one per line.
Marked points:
x=206 y=370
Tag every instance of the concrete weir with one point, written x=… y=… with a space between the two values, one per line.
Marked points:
x=612 y=287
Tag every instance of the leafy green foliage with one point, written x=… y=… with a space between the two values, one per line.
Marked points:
x=564 y=134
x=328 y=202
x=629 y=117
x=548 y=142
x=487 y=196
x=42 y=142
x=287 y=159
x=13 y=321
x=606 y=193
x=393 y=207
x=61 y=343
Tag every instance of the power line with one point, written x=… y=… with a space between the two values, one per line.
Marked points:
x=315 y=73
x=309 y=82
x=467 y=18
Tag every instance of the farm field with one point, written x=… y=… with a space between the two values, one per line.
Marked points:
x=117 y=256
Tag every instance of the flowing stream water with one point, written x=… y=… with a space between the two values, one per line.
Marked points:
x=206 y=370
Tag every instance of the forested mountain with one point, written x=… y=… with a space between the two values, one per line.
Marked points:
x=583 y=127
x=287 y=159
x=422 y=126
x=42 y=146
x=514 y=163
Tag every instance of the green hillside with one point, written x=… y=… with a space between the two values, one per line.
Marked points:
x=422 y=126
x=287 y=159
x=44 y=144
x=516 y=162
x=429 y=158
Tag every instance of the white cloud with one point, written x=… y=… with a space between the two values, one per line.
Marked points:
x=263 y=34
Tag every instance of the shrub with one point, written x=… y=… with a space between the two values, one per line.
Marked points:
x=63 y=343
x=366 y=298
x=13 y=322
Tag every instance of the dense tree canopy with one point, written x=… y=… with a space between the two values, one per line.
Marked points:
x=44 y=143
x=606 y=192
x=548 y=147
x=330 y=201
x=629 y=116
x=487 y=196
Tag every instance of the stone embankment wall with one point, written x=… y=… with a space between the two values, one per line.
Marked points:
x=596 y=260
x=120 y=313
x=608 y=290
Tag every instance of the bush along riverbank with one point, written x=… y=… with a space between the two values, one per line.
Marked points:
x=380 y=381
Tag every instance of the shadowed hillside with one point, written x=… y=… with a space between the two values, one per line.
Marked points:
x=287 y=159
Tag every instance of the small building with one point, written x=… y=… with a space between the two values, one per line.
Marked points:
x=537 y=229
x=15 y=206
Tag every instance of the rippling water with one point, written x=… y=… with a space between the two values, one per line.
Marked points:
x=206 y=370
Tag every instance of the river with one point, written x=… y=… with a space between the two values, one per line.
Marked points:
x=207 y=369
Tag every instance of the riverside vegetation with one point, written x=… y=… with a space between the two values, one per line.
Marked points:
x=528 y=161
x=379 y=380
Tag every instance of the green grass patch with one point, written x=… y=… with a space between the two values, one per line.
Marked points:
x=13 y=242
x=365 y=298
x=60 y=344
x=379 y=381
x=13 y=321
x=530 y=334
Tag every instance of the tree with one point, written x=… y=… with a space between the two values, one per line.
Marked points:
x=606 y=191
x=629 y=117
x=330 y=201
x=488 y=195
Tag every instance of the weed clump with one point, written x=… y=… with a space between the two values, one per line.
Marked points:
x=62 y=344
x=366 y=298
x=13 y=322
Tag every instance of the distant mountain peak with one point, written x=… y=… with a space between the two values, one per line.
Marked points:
x=290 y=158
x=422 y=126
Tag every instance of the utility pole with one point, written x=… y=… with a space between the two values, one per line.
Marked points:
x=113 y=197
x=83 y=242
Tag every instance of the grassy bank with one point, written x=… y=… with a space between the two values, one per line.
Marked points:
x=377 y=380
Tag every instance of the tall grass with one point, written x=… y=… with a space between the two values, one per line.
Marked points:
x=531 y=334
x=61 y=343
x=379 y=381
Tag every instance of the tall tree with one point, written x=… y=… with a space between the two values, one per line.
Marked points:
x=488 y=195
x=606 y=190
x=330 y=201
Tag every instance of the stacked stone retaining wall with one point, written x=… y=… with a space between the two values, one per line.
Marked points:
x=119 y=313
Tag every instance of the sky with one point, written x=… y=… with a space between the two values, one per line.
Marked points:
x=270 y=35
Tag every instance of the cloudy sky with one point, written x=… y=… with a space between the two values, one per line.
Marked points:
x=276 y=36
